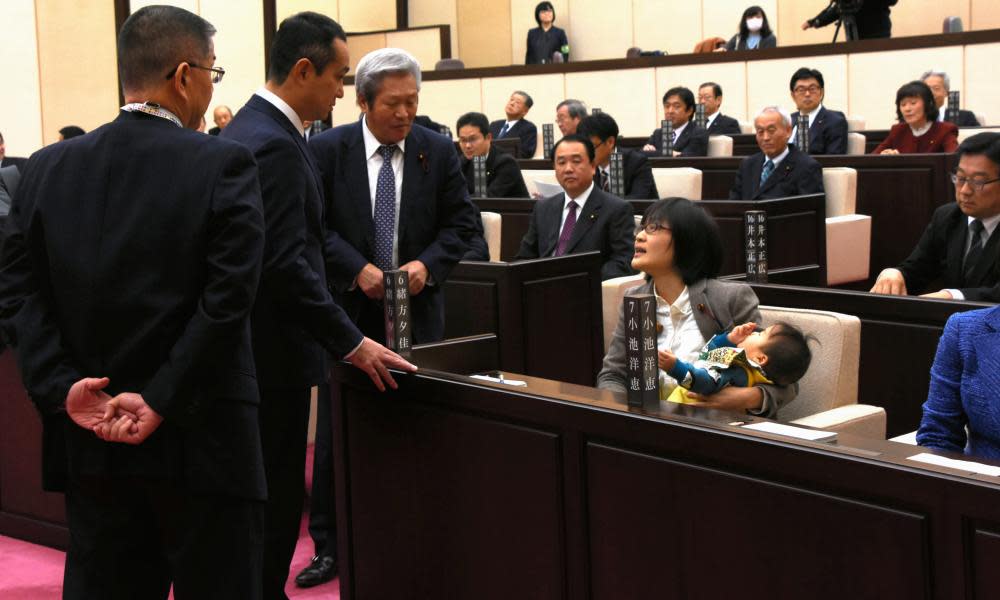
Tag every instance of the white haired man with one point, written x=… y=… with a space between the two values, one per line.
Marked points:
x=778 y=170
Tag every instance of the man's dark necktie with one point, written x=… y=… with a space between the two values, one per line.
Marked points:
x=766 y=171
x=975 y=250
x=385 y=210
x=503 y=130
x=567 y=230
x=605 y=181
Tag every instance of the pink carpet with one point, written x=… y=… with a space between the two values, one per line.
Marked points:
x=32 y=572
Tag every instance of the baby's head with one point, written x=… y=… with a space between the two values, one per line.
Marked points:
x=781 y=350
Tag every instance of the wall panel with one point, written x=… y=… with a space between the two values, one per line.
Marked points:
x=239 y=46
x=191 y=5
x=614 y=24
x=370 y=15
x=522 y=18
x=981 y=82
x=346 y=110
x=286 y=8
x=445 y=101
x=983 y=14
x=423 y=44
x=359 y=45
x=484 y=32
x=791 y=16
x=437 y=12
x=650 y=30
x=768 y=82
x=20 y=112
x=622 y=100
x=921 y=17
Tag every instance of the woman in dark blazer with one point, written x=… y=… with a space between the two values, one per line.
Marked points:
x=918 y=130
x=546 y=39
x=754 y=32
x=962 y=412
x=679 y=249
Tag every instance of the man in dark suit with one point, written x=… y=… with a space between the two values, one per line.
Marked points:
x=569 y=113
x=710 y=95
x=9 y=179
x=399 y=199
x=960 y=249
x=503 y=176
x=779 y=170
x=151 y=301
x=8 y=161
x=516 y=125
x=940 y=85
x=583 y=218
x=222 y=115
x=689 y=139
x=827 y=128
x=602 y=131
x=295 y=319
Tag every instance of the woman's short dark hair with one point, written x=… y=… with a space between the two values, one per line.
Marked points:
x=697 y=243
x=917 y=89
x=544 y=6
x=765 y=28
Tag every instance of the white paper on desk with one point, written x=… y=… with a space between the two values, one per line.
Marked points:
x=548 y=189
x=499 y=380
x=962 y=465
x=813 y=435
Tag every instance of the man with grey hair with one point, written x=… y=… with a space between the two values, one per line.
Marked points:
x=569 y=112
x=396 y=199
x=779 y=170
x=940 y=85
x=515 y=125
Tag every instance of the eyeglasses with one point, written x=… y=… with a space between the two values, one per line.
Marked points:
x=975 y=184
x=651 y=228
x=472 y=139
x=217 y=72
x=812 y=89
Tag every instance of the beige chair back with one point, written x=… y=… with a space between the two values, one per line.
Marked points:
x=491 y=231
x=832 y=378
x=720 y=145
x=856 y=143
x=746 y=126
x=855 y=123
x=684 y=182
x=981 y=117
x=841 y=185
x=612 y=292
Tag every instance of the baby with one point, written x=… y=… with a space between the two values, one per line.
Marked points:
x=744 y=357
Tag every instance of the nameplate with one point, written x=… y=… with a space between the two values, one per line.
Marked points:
x=548 y=140
x=642 y=372
x=479 y=176
x=802 y=132
x=667 y=135
x=755 y=238
x=699 y=115
x=954 y=103
x=398 y=330
x=617 y=170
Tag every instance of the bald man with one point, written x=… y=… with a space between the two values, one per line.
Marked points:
x=222 y=116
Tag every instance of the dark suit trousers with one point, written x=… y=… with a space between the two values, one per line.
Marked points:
x=284 y=423
x=322 y=505
x=130 y=539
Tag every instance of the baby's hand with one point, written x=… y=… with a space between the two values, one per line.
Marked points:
x=666 y=359
x=741 y=332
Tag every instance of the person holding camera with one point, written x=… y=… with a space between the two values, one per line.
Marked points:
x=870 y=18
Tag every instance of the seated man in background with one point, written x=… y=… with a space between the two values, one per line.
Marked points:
x=8 y=161
x=583 y=218
x=503 y=176
x=779 y=170
x=710 y=94
x=516 y=126
x=827 y=128
x=222 y=115
x=689 y=139
x=960 y=247
x=602 y=131
x=940 y=85
x=569 y=112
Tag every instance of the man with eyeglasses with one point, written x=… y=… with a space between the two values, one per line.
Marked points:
x=827 y=128
x=716 y=123
x=128 y=268
x=503 y=176
x=960 y=247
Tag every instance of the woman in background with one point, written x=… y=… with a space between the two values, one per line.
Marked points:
x=918 y=130
x=546 y=40
x=755 y=32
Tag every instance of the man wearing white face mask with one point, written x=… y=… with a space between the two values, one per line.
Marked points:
x=755 y=32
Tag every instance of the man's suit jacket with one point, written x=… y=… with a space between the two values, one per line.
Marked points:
x=938 y=257
x=215 y=131
x=523 y=129
x=828 y=133
x=156 y=235
x=503 y=176
x=436 y=218
x=13 y=161
x=605 y=223
x=295 y=316
x=723 y=125
x=638 y=176
x=796 y=175
x=966 y=118
x=10 y=177
x=693 y=141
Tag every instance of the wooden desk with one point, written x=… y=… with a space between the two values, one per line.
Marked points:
x=488 y=491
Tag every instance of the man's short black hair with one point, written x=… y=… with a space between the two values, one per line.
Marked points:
x=918 y=89
x=686 y=96
x=528 y=102
x=304 y=35
x=806 y=73
x=788 y=354
x=544 y=6
x=576 y=137
x=601 y=125
x=71 y=131
x=696 y=238
x=716 y=88
x=155 y=39
x=477 y=120
x=982 y=144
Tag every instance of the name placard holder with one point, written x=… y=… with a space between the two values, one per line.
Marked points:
x=954 y=103
x=667 y=135
x=755 y=238
x=802 y=133
x=699 y=115
x=642 y=373
x=548 y=140
x=398 y=332
x=479 y=176
x=595 y=111
x=617 y=168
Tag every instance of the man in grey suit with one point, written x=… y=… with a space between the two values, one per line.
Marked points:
x=9 y=178
x=583 y=218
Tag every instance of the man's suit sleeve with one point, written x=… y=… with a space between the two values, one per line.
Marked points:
x=529 y=140
x=927 y=260
x=836 y=141
x=456 y=220
x=507 y=181
x=478 y=249
x=529 y=243
x=643 y=185
x=736 y=192
x=287 y=275
x=621 y=240
x=698 y=146
x=235 y=244
x=812 y=179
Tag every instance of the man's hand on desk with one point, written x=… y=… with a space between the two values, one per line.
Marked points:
x=370 y=282
x=890 y=281
x=731 y=398
x=376 y=360
x=418 y=275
